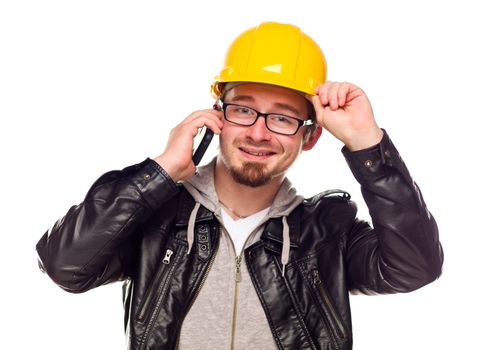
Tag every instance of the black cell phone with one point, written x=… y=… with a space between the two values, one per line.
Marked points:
x=205 y=136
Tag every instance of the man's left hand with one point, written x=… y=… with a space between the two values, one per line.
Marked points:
x=345 y=111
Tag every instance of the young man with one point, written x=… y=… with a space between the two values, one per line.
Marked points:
x=228 y=256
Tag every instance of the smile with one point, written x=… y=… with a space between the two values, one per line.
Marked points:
x=256 y=153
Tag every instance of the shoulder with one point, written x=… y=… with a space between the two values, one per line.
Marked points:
x=329 y=206
x=328 y=196
x=329 y=199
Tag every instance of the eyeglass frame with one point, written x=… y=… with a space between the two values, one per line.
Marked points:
x=223 y=105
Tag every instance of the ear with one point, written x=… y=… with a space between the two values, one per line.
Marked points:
x=312 y=140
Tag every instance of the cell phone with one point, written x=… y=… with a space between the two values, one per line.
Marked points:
x=205 y=137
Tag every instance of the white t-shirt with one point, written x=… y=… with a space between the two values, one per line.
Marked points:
x=240 y=229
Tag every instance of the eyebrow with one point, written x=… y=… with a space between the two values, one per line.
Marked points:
x=285 y=106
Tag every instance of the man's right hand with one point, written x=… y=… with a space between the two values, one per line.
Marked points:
x=176 y=159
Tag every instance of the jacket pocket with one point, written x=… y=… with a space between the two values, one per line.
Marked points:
x=156 y=291
x=328 y=309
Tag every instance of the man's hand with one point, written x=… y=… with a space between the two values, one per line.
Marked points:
x=345 y=111
x=176 y=159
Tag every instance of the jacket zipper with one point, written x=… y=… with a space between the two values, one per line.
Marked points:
x=161 y=282
x=301 y=321
x=334 y=319
x=148 y=297
x=201 y=284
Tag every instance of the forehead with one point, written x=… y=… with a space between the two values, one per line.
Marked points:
x=267 y=96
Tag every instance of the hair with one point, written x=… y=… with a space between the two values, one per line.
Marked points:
x=310 y=129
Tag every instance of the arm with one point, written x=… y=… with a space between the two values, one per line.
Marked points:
x=92 y=244
x=95 y=243
x=402 y=252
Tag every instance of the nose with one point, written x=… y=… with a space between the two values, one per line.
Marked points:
x=258 y=131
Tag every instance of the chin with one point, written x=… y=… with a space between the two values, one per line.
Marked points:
x=252 y=174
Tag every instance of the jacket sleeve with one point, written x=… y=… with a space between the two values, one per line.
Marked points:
x=402 y=251
x=94 y=242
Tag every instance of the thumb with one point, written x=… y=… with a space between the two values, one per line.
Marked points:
x=315 y=100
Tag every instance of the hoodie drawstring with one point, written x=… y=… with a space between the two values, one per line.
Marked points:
x=191 y=226
x=286 y=243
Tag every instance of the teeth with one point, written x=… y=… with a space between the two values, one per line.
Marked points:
x=257 y=154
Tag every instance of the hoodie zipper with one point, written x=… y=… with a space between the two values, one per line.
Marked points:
x=238 y=277
x=235 y=297
x=334 y=320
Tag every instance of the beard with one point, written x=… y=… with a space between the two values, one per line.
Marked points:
x=250 y=174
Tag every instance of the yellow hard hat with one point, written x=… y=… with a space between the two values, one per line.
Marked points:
x=273 y=53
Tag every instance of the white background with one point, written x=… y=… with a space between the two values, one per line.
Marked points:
x=90 y=86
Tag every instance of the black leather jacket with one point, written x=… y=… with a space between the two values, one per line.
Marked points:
x=132 y=227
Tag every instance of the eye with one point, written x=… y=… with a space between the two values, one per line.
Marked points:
x=281 y=119
x=243 y=110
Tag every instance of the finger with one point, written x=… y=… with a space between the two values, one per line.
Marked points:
x=332 y=96
x=214 y=124
x=323 y=93
x=210 y=121
x=354 y=92
x=317 y=105
x=198 y=114
x=342 y=94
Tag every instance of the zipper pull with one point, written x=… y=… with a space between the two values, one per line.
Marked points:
x=238 y=271
x=167 y=256
x=316 y=277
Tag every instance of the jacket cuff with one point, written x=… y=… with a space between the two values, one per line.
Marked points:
x=376 y=161
x=154 y=184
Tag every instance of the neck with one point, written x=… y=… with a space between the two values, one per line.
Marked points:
x=243 y=200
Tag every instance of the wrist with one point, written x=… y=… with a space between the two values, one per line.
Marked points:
x=364 y=140
x=172 y=171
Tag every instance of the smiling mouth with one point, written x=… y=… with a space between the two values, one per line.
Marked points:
x=256 y=153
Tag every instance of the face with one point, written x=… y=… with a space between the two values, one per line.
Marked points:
x=253 y=155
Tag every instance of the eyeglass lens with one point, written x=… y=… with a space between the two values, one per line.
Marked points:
x=247 y=116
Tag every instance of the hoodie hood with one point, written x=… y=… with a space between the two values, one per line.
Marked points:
x=201 y=188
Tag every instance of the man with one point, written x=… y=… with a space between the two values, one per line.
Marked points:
x=228 y=256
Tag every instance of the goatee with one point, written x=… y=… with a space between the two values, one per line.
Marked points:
x=251 y=174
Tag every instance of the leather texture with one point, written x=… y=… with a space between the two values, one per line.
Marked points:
x=132 y=226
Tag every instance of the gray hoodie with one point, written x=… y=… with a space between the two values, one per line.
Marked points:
x=227 y=313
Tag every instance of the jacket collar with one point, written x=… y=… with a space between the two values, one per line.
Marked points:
x=272 y=234
x=185 y=206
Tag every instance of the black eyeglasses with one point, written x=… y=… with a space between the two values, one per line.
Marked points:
x=275 y=122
